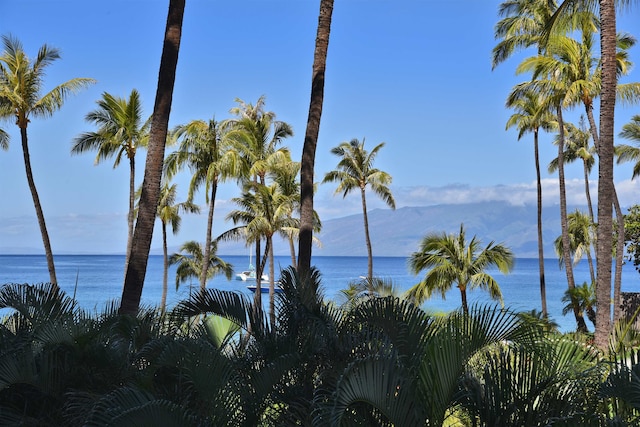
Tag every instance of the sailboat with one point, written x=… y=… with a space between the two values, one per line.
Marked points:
x=250 y=273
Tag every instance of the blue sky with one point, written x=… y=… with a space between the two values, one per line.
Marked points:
x=415 y=74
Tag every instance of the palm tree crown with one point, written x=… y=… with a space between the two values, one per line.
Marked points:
x=453 y=260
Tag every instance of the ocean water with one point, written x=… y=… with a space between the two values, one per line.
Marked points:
x=97 y=280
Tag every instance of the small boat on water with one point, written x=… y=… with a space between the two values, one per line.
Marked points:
x=264 y=288
x=250 y=274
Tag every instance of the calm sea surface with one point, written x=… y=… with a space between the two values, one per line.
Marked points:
x=99 y=280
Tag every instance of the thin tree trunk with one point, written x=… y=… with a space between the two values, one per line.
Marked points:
x=463 y=295
x=543 y=287
x=311 y=137
x=207 y=245
x=143 y=231
x=587 y=191
x=566 y=246
x=592 y=272
x=165 y=267
x=605 y=172
x=617 y=278
x=272 y=287
x=368 y=241
x=132 y=205
x=257 y=298
x=292 y=251
x=36 y=203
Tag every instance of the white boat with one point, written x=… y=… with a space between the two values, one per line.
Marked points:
x=264 y=288
x=250 y=275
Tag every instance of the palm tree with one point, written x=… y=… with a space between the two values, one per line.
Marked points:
x=264 y=212
x=307 y=222
x=121 y=131
x=21 y=81
x=169 y=214
x=581 y=238
x=531 y=116
x=625 y=152
x=203 y=149
x=143 y=232
x=190 y=262
x=453 y=260
x=577 y=147
x=586 y=297
x=355 y=171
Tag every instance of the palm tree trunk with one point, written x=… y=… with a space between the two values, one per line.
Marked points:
x=207 y=244
x=587 y=191
x=617 y=278
x=36 y=203
x=272 y=288
x=543 y=287
x=368 y=241
x=463 y=295
x=566 y=246
x=605 y=171
x=311 y=137
x=292 y=250
x=257 y=298
x=143 y=232
x=165 y=267
x=132 y=205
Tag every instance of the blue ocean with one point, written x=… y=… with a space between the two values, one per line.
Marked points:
x=97 y=279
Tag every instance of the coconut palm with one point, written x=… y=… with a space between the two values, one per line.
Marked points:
x=204 y=151
x=454 y=260
x=629 y=153
x=307 y=220
x=190 y=259
x=121 y=132
x=169 y=214
x=355 y=171
x=531 y=116
x=577 y=146
x=21 y=81
x=143 y=232
x=586 y=297
x=581 y=237
x=264 y=212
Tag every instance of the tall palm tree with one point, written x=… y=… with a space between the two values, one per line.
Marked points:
x=190 y=260
x=143 y=232
x=453 y=260
x=264 y=212
x=121 y=131
x=21 y=81
x=204 y=151
x=307 y=221
x=169 y=214
x=531 y=116
x=355 y=171
x=629 y=153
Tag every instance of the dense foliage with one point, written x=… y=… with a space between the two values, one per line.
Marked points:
x=632 y=235
x=375 y=361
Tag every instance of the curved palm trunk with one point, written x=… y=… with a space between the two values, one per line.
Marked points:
x=143 y=231
x=36 y=203
x=132 y=205
x=165 y=268
x=587 y=191
x=207 y=246
x=543 y=287
x=566 y=246
x=368 y=241
x=311 y=137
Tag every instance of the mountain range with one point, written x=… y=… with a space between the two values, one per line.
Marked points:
x=398 y=232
